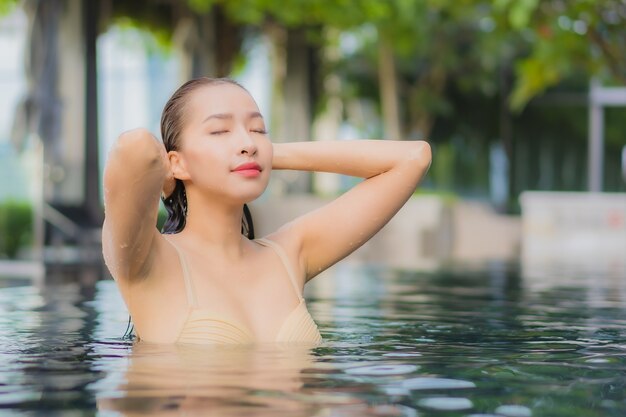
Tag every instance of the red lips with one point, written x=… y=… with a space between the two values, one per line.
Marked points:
x=248 y=169
x=248 y=166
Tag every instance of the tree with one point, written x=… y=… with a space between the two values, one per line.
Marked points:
x=563 y=38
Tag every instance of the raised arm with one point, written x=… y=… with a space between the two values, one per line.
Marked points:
x=136 y=169
x=392 y=169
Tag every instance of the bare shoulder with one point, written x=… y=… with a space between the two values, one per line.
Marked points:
x=289 y=240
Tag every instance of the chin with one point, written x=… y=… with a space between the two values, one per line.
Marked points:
x=248 y=197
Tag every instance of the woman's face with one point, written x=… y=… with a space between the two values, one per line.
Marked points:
x=224 y=149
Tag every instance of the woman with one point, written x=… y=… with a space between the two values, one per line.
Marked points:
x=207 y=281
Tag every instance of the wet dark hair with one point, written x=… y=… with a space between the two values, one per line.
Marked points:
x=172 y=122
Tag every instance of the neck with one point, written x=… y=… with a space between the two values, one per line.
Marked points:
x=212 y=223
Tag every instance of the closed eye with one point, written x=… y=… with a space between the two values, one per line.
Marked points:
x=261 y=131
x=219 y=132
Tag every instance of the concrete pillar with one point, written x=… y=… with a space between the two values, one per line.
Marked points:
x=291 y=61
x=91 y=173
x=64 y=177
x=595 y=167
x=297 y=91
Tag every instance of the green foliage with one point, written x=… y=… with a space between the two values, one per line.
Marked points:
x=15 y=227
x=439 y=45
x=467 y=41
x=442 y=169
x=534 y=75
x=559 y=39
x=518 y=12
x=343 y=14
x=157 y=19
x=474 y=43
x=201 y=6
x=155 y=40
x=449 y=198
x=6 y=6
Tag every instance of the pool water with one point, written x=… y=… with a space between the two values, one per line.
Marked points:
x=462 y=341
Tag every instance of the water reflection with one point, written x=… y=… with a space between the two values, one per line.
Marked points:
x=164 y=380
x=44 y=345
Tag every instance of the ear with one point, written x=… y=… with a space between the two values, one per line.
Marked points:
x=178 y=166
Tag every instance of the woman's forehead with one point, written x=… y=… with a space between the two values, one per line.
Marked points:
x=221 y=99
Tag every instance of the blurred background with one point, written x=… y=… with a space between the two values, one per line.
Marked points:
x=522 y=101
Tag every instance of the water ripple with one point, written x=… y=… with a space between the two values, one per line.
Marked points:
x=455 y=342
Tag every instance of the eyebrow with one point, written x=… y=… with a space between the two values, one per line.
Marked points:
x=228 y=116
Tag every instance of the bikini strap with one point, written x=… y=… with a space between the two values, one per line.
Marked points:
x=191 y=296
x=283 y=257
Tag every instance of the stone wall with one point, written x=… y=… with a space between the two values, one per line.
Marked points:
x=426 y=233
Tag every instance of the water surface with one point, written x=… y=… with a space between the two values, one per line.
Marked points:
x=461 y=341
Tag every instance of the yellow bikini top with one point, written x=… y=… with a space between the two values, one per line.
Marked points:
x=205 y=327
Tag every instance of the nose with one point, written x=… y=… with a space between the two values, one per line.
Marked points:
x=247 y=145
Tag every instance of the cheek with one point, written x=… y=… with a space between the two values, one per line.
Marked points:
x=203 y=161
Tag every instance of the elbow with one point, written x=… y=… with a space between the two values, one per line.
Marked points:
x=135 y=148
x=135 y=152
x=420 y=155
x=138 y=143
x=417 y=161
x=426 y=152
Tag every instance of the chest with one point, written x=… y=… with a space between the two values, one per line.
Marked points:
x=257 y=294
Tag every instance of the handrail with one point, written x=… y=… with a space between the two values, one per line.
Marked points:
x=61 y=221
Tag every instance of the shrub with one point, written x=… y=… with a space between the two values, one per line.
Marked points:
x=16 y=227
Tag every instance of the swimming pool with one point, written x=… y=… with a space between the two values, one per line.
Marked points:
x=461 y=341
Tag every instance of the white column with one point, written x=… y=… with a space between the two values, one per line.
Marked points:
x=599 y=98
